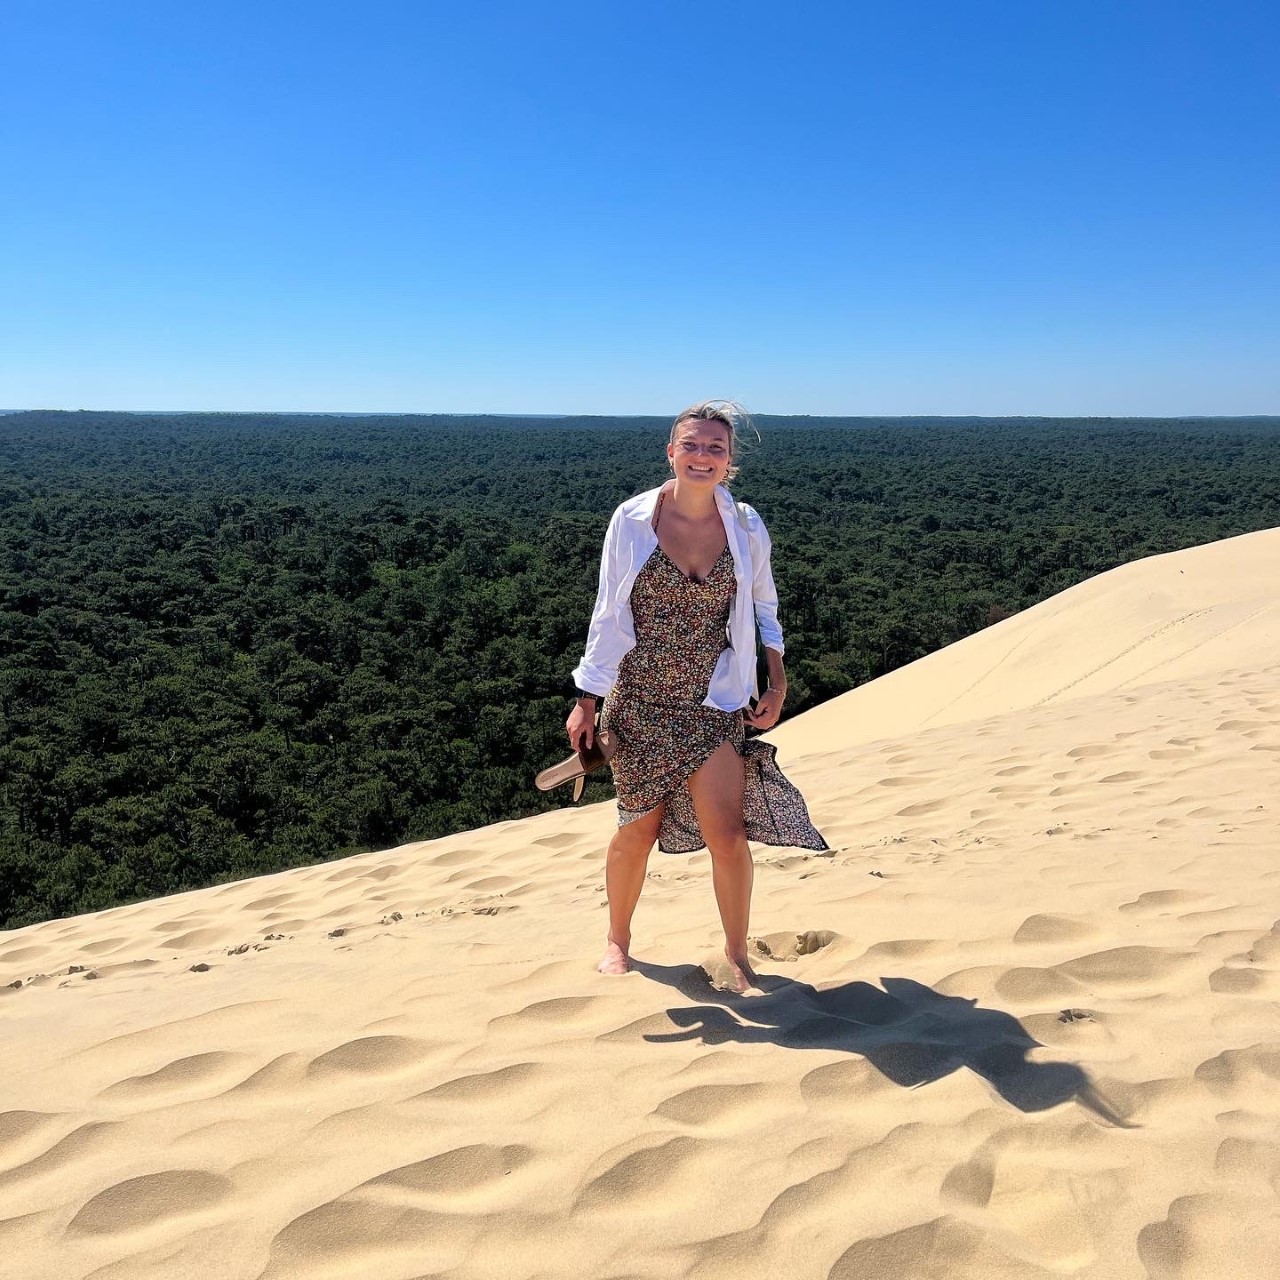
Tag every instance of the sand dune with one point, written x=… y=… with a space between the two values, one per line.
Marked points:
x=1170 y=617
x=1024 y=1021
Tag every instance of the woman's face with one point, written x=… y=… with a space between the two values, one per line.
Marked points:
x=700 y=453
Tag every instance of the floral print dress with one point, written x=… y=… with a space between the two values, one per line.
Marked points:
x=665 y=733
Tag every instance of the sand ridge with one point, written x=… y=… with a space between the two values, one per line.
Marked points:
x=1022 y=1021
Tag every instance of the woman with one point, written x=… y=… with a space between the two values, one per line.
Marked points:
x=684 y=581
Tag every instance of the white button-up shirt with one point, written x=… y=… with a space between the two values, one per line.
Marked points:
x=629 y=541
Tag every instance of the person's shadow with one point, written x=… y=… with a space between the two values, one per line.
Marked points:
x=910 y=1033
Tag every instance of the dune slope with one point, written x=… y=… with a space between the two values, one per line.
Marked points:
x=1170 y=617
x=1023 y=1021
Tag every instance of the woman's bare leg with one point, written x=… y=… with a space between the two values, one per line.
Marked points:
x=624 y=872
x=716 y=790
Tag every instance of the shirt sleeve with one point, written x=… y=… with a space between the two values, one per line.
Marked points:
x=763 y=591
x=598 y=670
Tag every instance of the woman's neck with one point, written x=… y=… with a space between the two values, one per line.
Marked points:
x=692 y=504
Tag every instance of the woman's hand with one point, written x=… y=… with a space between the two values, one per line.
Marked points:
x=766 y=711
x=581 y=724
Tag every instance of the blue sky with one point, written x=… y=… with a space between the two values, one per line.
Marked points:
x=952 y=207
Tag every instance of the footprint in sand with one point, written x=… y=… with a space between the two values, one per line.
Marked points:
x=790 y=946
x=1072 y=1027
x=488 y=905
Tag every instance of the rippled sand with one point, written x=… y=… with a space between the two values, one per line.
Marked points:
x=1025 y=1021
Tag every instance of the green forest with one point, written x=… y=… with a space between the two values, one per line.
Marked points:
x=231 y=644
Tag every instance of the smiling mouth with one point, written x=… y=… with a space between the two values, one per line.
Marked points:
x=702 y=471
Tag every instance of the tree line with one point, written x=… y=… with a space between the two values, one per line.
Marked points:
x=231 y=644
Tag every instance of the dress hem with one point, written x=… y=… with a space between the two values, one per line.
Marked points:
x=755 y=754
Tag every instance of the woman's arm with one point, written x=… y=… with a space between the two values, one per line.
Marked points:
x=768 y=709
x=598 y=670
x=595 y=675
x=777 y=673
x=581 y=724
x=764 y=593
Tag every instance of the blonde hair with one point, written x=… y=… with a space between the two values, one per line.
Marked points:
x=729 y=412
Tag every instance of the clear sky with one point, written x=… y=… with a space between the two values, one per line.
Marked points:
x=905 y=207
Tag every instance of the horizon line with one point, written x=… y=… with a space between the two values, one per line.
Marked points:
x=758 y=413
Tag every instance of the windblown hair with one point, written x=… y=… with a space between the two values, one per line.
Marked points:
x=731 y=413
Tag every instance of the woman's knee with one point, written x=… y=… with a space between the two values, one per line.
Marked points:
x=634 y=840
x=726 y=837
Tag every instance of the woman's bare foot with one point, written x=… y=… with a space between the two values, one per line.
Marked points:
x=614 y=960
x=742 y=977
